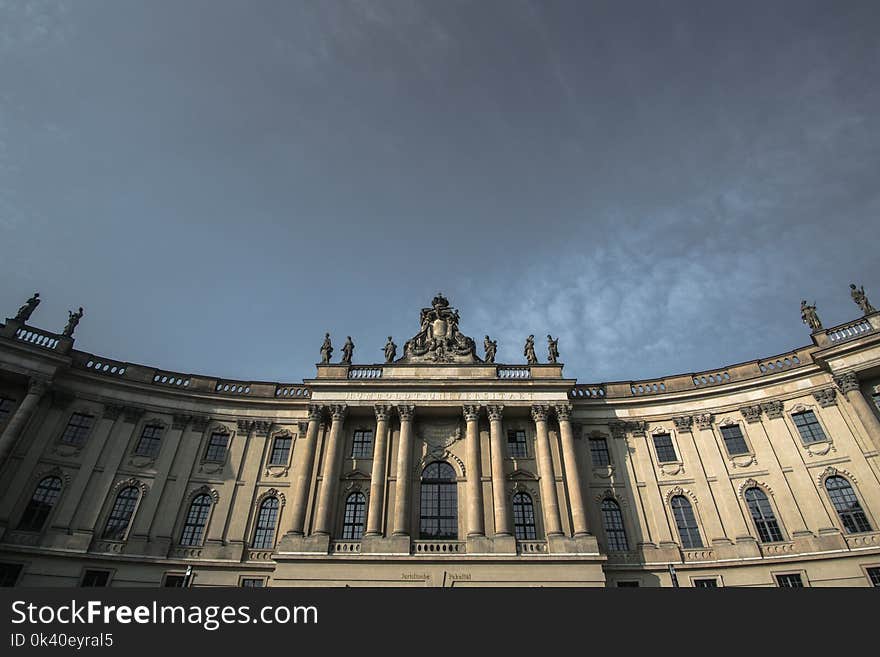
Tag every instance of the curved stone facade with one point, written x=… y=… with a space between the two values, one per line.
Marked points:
x=440 y=468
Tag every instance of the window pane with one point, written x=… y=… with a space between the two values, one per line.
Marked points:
x=196 y=518
x=808 y=426
x=793 y=581
x=95 y=578
x=734 y=440
x=516 y=444
x=354 y=516
x=706 y=583
x=148 y=445
x=524 y=517
x=37 y=510
x=686 y=523
x=174 y=581
x=120 y=514
x=77 y=429
x=252 y=582
x=847 y=505
x=621 y=585
x=599 y=452
x=280 y=450
x=763 y=516
x=874 y=576
x=362 y=445
x=663 y=447
x=264 y=533
x=439 y=502
x=612 y=521
x=217 y=447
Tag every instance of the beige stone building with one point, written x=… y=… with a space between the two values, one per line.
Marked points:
x=440 y=467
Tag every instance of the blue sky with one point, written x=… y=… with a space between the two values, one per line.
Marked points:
x=219 y=183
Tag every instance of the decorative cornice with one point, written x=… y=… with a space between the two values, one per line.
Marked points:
x=773 y=409
x=847 y=382
x=539 y=413
x=704 y=420
x=383 y=412
x=826 y=397
x=563 y=412
x=683 y=423
x=494 y=411
x=471 y=412
x=132 y=414
x=751 y=413
x=179 y=422
x=406 y=412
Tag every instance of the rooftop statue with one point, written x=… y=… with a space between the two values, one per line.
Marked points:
x=809 y=316
x=529 y=350
x=390 y=350
x=439 y=339
x=326 y=350
x=25 y=312
x=861 y=300
x=490 y=346
x=72 y=320
x=552 y=349
x=347 y=351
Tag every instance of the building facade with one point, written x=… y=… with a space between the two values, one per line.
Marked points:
x=440 y=468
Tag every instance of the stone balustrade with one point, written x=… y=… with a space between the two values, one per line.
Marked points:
x=435 y=548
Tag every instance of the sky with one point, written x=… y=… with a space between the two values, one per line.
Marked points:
x=219 y=183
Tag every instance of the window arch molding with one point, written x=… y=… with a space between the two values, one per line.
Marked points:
x=211 y=466
x=440 y=457
x=822 y=480
x=670 y=468
x=355 y=494
x=670 y=497
x=742 y=491
x=279 y=469
x=110 y=503
x=819 y=447
x=435 y=525
x=185 y=509
x=264 y=497
x=140 y=460
x=603 y=502
x=28 y=492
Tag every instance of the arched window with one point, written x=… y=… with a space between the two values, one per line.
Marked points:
x=612 y=520
x=196 y=518
x=353 y=519
x=847 y=505
x=44 y=498
x=439 y=502
x=686 y=523
x=120 y=514
x=524 y=517
x=762 y=515
x=267 y=518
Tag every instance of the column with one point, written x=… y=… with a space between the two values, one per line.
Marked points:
x=22 y=415
x=377 y=477
x=579 y=519
x=475 y=523
x=304 y=475
x=549 y=501
x=848 y=383
x=330 y=472
x=503 y=525
x=404 y=457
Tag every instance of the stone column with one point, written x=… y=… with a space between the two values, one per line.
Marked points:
x=330 y=472
x=550 y=500
x=580 y=522
x=304 y=476
x=503 y=524
x=36 y=389
x=404 y=457
x=848 y=384
x=475 y=523
x=377 y=477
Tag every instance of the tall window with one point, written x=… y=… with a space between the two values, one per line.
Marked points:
x=196 y=517
x=599 y=452
x=762 y=515
x=6 y=406
x=217 y=447
x=791 y=581
x=847 y=505
x=524 y=517
x=686 y=523
x=362 y=446
x=808 y=426
x=267 y=518
x=612 y=520
x=439 y=502
x=77 y=429
x=120 y=514
x=663 y=447
x=44 y=498
x=148 y=444
x=516 y=444
x=353 y=518
x=734 y=440
x=280 y=450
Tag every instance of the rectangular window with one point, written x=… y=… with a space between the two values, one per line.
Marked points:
x=148 y=444
x=622 y=585
x=280 y=450
x=734 y=440
x=792 y=581
x=808 y=426
x=362 y=446
x=95 y=578
x=174 y=581
x=599 y=452
x=663 y=447
x=6 y=406
x=77 y=429
x=9 y=573
x=876 y=398
x=516 y=444
x=253 y=582
x=874 y=576
x=217 y=447
x=706 y=583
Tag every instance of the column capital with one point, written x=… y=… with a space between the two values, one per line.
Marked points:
x=111 y=411
x=38 y=385
x=704 y=420
x=245 y=426
x=406 y=412
x=132 y=414
x=827 y=396
x=539 y=412
x=200 y=423
x=683 y=423
x=563 y=412
x=471 y=412
x=847 y=382
x=773 y=409
x=316 y=411
x=383 y=412
x=337 y=412
x=494 y=411
x=179 y=422
x=303 y=427
x=752 y=413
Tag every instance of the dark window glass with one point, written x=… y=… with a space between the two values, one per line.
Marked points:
x=733 y=440
x=612 y=520
x=120 y=514
x=77 y=429
x=267 y=518
x=622 y=585
x=792 y=581
x=524 y=517
x=280 y=450
x=37 y=510
x=663 y=447
x=873 y=575
x=686 y=523
x=876 y=398
x=6 y=406
x=252 y=582
x=706 y=583
x=599 y=452
x=353 y=517
x=196 y=517
x=9 y=573
x=148 y=444
x=516 y=444
x=95 y=578
x=174 y=581
x=763 y=516
x=217 y=447
x=808 y=426
x=362 y=446
x=439 y=502
x=847 y=505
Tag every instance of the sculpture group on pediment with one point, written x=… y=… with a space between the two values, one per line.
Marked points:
x=439 y=339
